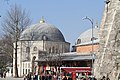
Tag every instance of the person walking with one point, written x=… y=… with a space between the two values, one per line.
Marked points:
x=103 y=78
x=4 y=74
x=65 y=78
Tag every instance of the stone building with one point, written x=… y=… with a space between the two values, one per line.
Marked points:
x=38 y=39
x=107 y=62
x=42 y=45
x=86 y=41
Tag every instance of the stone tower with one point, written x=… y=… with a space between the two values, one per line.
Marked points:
x=107 y=61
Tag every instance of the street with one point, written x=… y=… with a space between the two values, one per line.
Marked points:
x=11 y=78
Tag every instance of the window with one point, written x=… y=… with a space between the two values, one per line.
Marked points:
x=27 y=49
x=35 y=48
x=26 y=71
x=53 y=50
x=23 y=71
x=56 y=50
x=49 y=50
x=28 y=65
x=78 y=41
x=44 y=38
x=23 y=65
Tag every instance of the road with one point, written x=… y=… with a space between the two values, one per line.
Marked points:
x=10 y=78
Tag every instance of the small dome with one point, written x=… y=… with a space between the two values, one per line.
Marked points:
x=86 y=37
x=42 y=31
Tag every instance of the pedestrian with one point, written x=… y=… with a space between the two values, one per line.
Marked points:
x=29 y=76
x=59 y=77
x=4 y=74
x=107 y=78
x=55 y=76
x=103 y=78
x=1 y=75
x=65 y=78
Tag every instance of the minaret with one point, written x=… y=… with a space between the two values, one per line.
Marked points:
x=106 y=62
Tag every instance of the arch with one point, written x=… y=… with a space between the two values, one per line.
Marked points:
x=44 y=37
x=78 y=41
x=53 y=49
x=27 y=49
x=56 y=50
x=50 y=50
x=35 y=48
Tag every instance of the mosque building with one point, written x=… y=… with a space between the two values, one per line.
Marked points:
x=35 y=40
x=87 y=40
x=42 y=47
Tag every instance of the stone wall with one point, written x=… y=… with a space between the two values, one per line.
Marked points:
x=106 y=63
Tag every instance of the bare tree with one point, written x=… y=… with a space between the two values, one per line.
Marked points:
x=15 y=22
x=6 y=46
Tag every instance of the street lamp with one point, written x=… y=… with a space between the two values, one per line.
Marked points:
x=91 y=20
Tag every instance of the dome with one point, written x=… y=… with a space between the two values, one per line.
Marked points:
x=42 y=31
x=86 y=37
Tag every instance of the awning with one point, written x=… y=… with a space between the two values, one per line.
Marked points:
x=77 y=69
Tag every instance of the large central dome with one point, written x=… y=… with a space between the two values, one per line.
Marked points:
x=42 y=31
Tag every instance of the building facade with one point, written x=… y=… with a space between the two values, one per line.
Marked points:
x=34 y=41
x=42 y=47
x=86 y=43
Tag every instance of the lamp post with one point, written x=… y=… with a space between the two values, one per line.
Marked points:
x=91 y=20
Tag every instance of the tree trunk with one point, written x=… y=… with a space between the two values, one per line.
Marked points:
x=16 y=39
x=16 y=69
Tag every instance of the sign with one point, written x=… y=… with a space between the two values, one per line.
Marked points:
x=77 y=69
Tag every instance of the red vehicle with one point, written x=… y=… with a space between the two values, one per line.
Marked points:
x=75 y=72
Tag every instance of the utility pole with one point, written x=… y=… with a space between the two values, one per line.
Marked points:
x=16 y=40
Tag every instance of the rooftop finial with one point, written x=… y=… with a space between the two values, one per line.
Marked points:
x=42 y=20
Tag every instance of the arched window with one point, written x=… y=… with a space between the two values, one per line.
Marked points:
x=53 y=49
x=49 y=50
x=56 y=50
x=78 y=41
x=44 y=38
x=35 y=48
x=27 y=49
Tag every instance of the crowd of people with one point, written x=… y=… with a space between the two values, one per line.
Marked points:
x=105 y=78
x=57 y=77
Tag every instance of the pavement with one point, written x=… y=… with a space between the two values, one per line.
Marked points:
x=11 y=78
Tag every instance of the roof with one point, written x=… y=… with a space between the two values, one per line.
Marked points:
x=42 y=31
x=90 y=42
x=86 y=37
x=74 y=56
x=71 y=56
